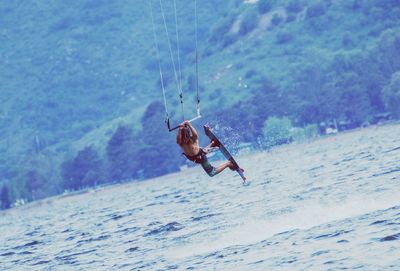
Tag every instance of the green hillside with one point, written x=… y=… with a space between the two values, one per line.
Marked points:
x=80 y=81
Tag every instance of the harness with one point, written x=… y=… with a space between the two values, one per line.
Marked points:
x=198 y=158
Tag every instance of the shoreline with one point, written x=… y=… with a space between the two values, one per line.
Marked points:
x=191 y=170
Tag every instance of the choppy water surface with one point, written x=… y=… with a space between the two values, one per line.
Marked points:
x=329 y=205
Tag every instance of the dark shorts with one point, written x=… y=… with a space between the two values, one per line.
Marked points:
x=201 y=158
x=205 y=164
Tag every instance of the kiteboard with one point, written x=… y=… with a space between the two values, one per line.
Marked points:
x=225 y=152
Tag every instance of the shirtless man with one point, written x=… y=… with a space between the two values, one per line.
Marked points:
x=188 y=140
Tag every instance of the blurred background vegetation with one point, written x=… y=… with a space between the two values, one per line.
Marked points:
x=80 y=94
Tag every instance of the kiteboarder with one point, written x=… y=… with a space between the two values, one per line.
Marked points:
x=188 y=139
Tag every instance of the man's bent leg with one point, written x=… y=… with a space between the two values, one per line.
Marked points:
x=213 y=144
x=212 y=171
x=223 y=167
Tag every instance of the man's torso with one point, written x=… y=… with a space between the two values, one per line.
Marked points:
x=191 y=149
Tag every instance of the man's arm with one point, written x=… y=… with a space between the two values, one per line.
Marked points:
x=194 y=132
x=179 y=137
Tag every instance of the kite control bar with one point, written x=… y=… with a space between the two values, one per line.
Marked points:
x=174 y=128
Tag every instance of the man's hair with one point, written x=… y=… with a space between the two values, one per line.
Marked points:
x=186 y=135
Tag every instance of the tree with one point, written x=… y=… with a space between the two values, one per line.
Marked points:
x=277 y=19
x=122 y=154
x=316 y=9
x=4 y=197
x=283 y=37
x=362 y=70
x=310 y=94
x=153 y=126
x=356 y=105
x=85 y=170
x=389 y=52
x=160 y=160
x=308 y=132
x=249 y=22
x=276 y=131
x=264 y=6
x=354 y=102
x=35 y=183
x=220 y=29
x=159 y=153
x=294 y=6
x=391 y=95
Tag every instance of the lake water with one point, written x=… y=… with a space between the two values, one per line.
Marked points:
x=327 y=205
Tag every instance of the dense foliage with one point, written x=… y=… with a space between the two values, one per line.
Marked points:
x=276 y=131
x=80 y=87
